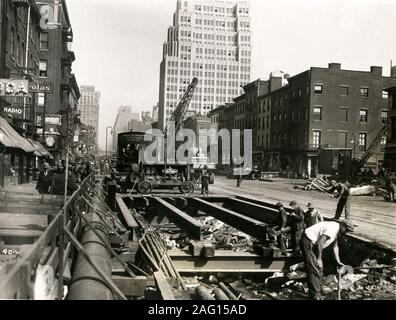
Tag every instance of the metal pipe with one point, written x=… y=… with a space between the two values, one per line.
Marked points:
x=204 y=293
x=86 y=283
x=220 y=295
x=227 y=291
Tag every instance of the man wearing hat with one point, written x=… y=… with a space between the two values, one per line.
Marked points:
x=312 y=216
x=297 y=225
x=44 y=179
x=280 y=230
x=205 y=180
x=345 y=198
x=314 y=240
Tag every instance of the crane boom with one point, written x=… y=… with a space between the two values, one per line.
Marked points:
x=181 y=109
x=382 y=133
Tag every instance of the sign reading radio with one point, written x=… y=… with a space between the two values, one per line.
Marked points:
x=14 y=87
x=15 y=110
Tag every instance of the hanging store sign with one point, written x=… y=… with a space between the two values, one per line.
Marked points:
x=40 y=87
x=14 y=111
x=14 y=88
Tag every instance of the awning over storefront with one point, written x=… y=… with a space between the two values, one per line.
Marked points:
x=11 y=139
x=42 y=151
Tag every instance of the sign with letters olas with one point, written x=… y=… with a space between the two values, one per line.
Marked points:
x=40 y=87
x=14 y=87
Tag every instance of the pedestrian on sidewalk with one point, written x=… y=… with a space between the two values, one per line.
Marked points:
x=239 y=176
x=205 y=181
x=314 y=240
x=345 y=198
x=44 y=179
x=297 y=226
x=312 y=216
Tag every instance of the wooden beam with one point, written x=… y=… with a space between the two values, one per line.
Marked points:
x=163 y=286
x=131 y=287
x=130 y=221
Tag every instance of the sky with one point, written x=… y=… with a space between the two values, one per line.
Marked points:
x=118 y=43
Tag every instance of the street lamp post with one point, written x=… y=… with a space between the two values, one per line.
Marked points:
x=107 y=130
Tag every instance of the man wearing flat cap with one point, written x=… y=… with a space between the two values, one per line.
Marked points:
x=312 y=216
x=314 y=240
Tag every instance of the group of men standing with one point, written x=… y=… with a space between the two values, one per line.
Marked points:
x=52 y=181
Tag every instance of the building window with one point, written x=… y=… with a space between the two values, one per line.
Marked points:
x=362 y=141
x=363 y=116
x=12 y=41
x=344 y=90
x=44 y=41
x=22 y=55
x=41 y=99
x=317 y=113
x=384 y=116
x=342 y=139
x=318 y=89
x=43 y=73
x=364 y=92
x=385 y=94
x=383 y=141
x=344 y=114
x=317 y=135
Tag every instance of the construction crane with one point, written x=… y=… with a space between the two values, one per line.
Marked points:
x=182 y=108
x=369 y=152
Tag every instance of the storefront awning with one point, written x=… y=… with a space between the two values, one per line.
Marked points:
x=11 y=139
x=40 y=149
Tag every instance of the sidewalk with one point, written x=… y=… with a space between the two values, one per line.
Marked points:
x=24 y=213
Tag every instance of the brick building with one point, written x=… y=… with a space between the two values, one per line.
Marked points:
x=246 y=112
x=328 y=109
x=19 y=58
x=390 y=149
x=320 y=111
x=58 y=106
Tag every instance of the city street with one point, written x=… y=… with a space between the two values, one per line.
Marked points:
x=119 y=128
x=375 y=218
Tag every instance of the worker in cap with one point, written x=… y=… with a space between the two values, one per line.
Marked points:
x=344 y=202
x=297 y=225
x=314 y=240
x=279 y=231
x=312 y=216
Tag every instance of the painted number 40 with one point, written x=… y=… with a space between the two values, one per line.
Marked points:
x=9 y=252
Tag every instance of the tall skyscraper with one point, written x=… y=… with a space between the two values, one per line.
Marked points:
x=89 y=108
x=124 y=115
x=209 y=40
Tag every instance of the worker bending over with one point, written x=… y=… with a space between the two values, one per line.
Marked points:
x=316 y=238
